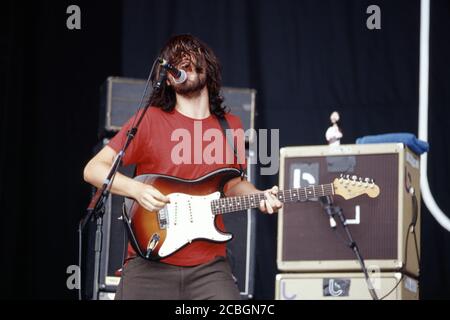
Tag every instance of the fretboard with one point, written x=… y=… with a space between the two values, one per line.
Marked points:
x=239 y=203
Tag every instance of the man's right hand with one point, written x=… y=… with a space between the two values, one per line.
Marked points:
x=146 y=195
x=150 y=198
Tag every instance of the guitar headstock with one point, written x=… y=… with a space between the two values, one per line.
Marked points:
x=351 y=187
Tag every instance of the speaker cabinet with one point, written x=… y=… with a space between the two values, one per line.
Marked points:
x=378 y=225
x=344 y=286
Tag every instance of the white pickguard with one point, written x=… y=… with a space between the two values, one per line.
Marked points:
x=190 y=218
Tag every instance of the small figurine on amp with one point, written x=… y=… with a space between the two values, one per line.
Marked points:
x=334 y=133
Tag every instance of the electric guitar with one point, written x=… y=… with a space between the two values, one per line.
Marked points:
x=194 y=205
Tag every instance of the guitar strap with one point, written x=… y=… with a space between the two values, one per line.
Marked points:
x=225 y=125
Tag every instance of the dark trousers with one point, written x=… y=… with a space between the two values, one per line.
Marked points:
x=148 y=280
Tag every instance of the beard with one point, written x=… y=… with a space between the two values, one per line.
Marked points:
x=191 y=87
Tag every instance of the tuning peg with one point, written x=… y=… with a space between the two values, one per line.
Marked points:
x=347 y=179
x=366 y=182
x=360 y=181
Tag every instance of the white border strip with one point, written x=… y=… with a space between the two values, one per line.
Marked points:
x=431 y=204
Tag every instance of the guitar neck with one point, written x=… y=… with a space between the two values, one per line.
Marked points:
x=244 y=202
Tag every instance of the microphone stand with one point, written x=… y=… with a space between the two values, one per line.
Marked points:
x=332 y=210
x=96 y=207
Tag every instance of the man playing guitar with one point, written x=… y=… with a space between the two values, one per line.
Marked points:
x=198 y=270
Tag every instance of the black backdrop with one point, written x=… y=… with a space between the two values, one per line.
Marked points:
x=305 y=58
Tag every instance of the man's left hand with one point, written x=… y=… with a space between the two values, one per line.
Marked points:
x=271 y=204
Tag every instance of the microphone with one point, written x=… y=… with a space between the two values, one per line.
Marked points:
x=180 y=76
x=327 y=204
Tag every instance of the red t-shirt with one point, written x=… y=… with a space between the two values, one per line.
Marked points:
x=151 y=150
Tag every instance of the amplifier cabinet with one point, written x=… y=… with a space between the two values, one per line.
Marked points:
x=306 y=242
x=344 y=286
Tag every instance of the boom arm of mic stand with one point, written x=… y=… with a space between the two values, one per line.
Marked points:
x=99 y=199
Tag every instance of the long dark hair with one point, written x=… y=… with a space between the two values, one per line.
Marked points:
x=173 y=51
